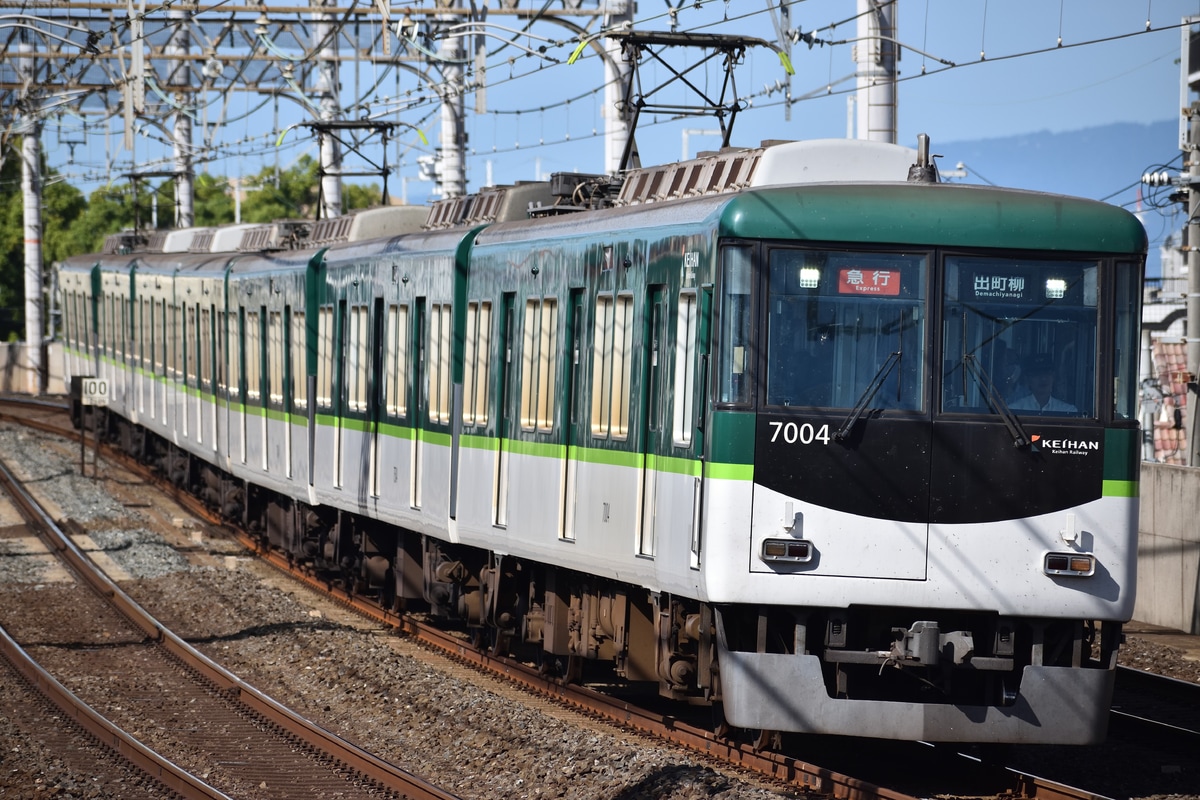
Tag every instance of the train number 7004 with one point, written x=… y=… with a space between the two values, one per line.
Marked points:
x=804 y=433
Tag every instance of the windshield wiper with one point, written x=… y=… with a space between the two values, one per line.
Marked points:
x=868 y=395
x=996 y=400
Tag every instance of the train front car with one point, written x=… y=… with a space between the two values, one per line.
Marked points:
x=933 y=387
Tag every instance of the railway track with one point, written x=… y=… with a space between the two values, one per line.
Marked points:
x=983 y=779
x=199 y=715
x=1149 y=707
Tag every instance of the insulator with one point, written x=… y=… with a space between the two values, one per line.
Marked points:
x=1162 y=178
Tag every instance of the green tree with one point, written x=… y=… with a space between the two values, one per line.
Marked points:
x=213 y=201
x=62 y=206
x=293 y=193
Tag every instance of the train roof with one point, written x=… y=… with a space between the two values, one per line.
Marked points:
x=947 y=215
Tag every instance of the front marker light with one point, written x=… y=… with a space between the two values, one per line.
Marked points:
x=1080 y=565
x=793 y=551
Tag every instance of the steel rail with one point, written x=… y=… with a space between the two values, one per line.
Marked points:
x=104 y=731
x=312 y=735
x=773 y=765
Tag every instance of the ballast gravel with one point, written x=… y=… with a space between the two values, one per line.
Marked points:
x=470 y=734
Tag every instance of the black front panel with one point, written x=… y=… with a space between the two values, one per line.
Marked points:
x=913 y=471
x=979 y=475
x=880 y=470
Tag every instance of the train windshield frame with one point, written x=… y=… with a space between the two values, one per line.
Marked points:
x=846 y=327
x=1020 y=334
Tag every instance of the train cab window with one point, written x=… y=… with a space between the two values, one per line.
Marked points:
x=396 y=361
x=736 y=322
x=1019 y=335
x=846 y=328
x=476 y=363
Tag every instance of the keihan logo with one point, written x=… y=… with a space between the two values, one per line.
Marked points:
x=1073 y=447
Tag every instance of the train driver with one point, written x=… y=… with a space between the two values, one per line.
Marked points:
x=1039 y=375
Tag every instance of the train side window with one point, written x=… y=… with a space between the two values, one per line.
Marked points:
x=110 y=317
x=146 y=333
x=253 y=357
x=440 y=321
x=275 y=357
x=234 y=333
x=1128 y=303
x=396 y=361
x=685 y=370
x=357 y=360
x=733 y=357
x=325 y=354
x=539 y=356
x=299 y=362
x=206 y=348
x=612 y=365
x=177 y=342
x=190 y=335
x=160 y=354
x=476 y=363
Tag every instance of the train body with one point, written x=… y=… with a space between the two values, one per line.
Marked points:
x=768 y=430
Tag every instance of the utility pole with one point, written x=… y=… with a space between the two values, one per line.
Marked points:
x=327 y=89
x=1192 y=330
x=452 y=179
x=876 y=54
x=31 y=192
x=616 y=90
x=180 y=44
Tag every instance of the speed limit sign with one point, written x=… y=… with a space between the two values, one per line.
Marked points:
x=95 y=392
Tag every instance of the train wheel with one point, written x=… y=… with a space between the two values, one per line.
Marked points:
x=768 y=740
x=574 y=670
x=720 y=725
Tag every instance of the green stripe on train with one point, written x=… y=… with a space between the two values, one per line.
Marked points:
x=1120 y=489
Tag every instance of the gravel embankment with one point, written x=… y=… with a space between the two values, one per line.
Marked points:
x=475 y=736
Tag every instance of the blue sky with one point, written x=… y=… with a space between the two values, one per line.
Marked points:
x=1011 y=77
x=1014 y=89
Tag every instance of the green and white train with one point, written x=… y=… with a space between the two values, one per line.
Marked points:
x=768 y=428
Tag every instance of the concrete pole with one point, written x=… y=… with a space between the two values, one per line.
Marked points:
x=452 y=179
x=1192 y=158
x=31 y=192
x=328 y=85
x=185 y=192
x=616 y=101
x=875 y=55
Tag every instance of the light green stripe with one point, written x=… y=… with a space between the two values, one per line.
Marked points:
x=1120 y=489
x=612 y=458
x=436 y=438
x=396 y=431
x=537 y=449
x=673 y=464
x=730 y=472
x=474 y=442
